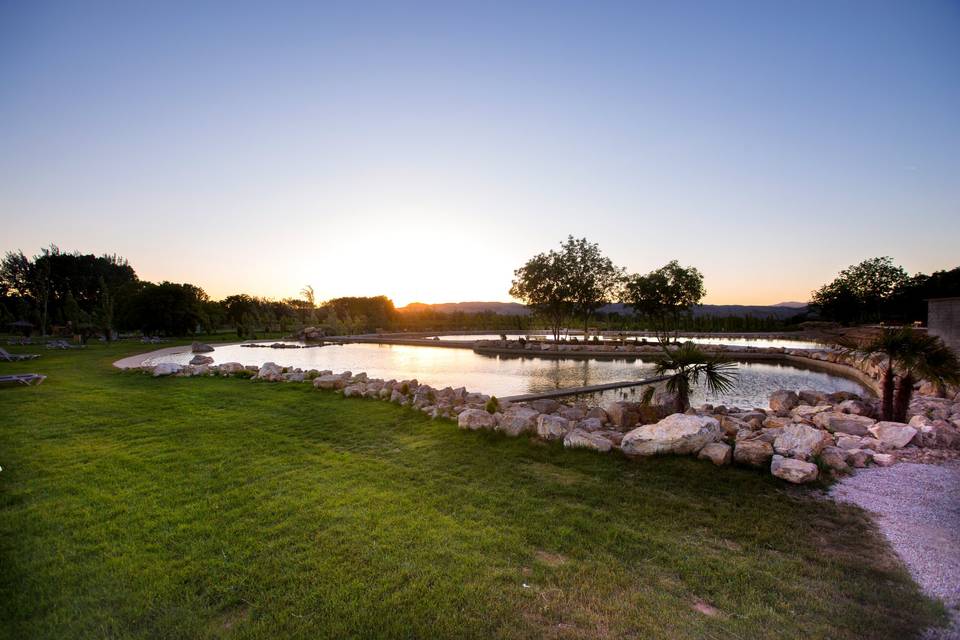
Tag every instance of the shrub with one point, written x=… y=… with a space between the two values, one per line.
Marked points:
x=493 y=405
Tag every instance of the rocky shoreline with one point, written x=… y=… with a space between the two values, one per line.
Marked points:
x=801 y=437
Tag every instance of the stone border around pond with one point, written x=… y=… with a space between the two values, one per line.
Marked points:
x=800 y=437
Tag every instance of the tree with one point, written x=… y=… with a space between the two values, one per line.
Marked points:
x=889 y=344
x=665 y=294
x=859 y=292
x=169 y=308
x=543 y=283
x=592 y=277
x=686 y=365
x=923 y=357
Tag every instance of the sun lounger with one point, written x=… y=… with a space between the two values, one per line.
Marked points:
x=16 y=357
x=23 y=378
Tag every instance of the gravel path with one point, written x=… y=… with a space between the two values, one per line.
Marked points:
x=917 y=507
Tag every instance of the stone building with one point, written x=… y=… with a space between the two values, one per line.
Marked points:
x=943 y=320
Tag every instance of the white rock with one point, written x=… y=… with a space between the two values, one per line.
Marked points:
x=580 y=439
x=166 y=369
x=270 y=371
x=677 y=433
x=719 y=453
x=552 y=427
x=883 y=459
x=795 y=471
x=800 y=441
x=474 y=419
x=783 y=401
x=893 y=434
x=518 y=420
x=849 y=423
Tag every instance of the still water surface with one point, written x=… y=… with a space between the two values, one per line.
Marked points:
x=507 y=376
x=730 y=342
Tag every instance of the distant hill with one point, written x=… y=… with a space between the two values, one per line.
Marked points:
x=782 y=310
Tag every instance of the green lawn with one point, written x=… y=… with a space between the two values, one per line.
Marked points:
x=189 y=508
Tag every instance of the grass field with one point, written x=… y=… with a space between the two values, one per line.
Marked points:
x=133 y=507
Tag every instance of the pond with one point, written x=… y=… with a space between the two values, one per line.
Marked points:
x=507 y=376
x=730 y=342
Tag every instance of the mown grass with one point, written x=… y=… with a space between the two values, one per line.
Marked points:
x=133 y=507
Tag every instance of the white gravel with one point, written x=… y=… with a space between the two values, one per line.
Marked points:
x=917 y=507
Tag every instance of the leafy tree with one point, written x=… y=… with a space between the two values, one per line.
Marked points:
x=664 y=294
x=859 y=292
x=167 y=308
x=543 y=284
x=923 y=357
x=687 y=365
x=593 y=280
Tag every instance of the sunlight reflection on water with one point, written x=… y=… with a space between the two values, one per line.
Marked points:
x=506 y=376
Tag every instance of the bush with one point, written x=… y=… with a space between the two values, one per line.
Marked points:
x=493 y=405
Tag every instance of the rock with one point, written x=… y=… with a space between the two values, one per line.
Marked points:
x=835 y=459
x=848 y=442
x=518 y=420
x=811 y=397
x=552 y=427
x=777 y=422
x=199 y=347
x=330 y=381
x=474 y=419
x=270 y=371
x=624 y=415
x=834 y=421
x=166 y=369
x=842 y=396
x=718 y=453
x=893 y=434
x=856 y=407
x=230 y=368
x=590 y=424
x=598 y=413
x=354 y=390
x=731 y=426
x=883 y=459
x=572 y=413
x=805 y=412
x=783 y=401
x=800 y=441
x=201 y=360
x=580 y=439
x=677 y=433
x=545 y=405
x=755 y=453
x=859 y=458
x=795 y=471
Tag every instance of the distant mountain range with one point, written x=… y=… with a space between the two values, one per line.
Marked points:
x=781 y=310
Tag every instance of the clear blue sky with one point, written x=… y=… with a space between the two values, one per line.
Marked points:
x=426 y=150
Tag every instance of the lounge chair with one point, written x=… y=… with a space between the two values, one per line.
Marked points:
x=16 y=357
x=23 y=378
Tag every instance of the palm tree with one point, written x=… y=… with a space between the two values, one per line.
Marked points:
x=687 y=364
x=910 y=356
x=923 y=357
x=890 y=343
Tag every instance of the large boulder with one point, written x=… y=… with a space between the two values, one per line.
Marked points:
x=835 y=459
x=718 y=453
x=678 y=433
x=795 y=471
x=782 y=401
x=834 y=421
x=754 y=453
x=270 y=371
x=893 y=434
x=199 y=347
x=475 y=419
x=806 y=413
x=580 y=439
x=331 y=381
x=198 y=359
x=545 y=405
x=166 y=369
x=624 y=415
x=811 y=397
x=590 y=424
x=230 y=368
x=800 y=441
x=518 y=420
x=552 y=427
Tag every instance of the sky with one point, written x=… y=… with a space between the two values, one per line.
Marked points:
x=426 y=150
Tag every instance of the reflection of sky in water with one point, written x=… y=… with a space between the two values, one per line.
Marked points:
x=441 y=367
x=730 y=342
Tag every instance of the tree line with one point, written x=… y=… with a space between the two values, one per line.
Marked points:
x=878 y=290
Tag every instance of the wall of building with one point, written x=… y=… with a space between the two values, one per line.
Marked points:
x=943 y=320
